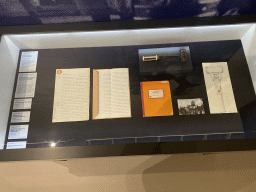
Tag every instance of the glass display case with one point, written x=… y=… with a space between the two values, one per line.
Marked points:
x=209 y=71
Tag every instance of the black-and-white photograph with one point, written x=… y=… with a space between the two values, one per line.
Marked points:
x=191 y=106
x=36 y=12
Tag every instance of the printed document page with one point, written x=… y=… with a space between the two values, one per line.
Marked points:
x=71 y=96
x=120 y=93
x=26 y=85
x=28 y=61
x=113 y=93
x=18 y=132
x=16 y=145
x=104 y=94
x=22 y=103
x=20 y=117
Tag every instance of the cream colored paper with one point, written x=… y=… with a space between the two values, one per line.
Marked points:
x=114 y=93
x=219 y=89
x=71 y=96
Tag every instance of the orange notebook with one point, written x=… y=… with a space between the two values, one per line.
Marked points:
x=156 y=98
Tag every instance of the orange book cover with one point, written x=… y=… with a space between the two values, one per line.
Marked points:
x=156 y=98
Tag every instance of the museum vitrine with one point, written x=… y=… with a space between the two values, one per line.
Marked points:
x=114 y=88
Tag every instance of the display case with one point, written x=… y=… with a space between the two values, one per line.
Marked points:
x=212 y=93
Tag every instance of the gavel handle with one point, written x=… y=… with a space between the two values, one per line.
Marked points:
x=167 y=57
x=219 y=92
x=156 y=57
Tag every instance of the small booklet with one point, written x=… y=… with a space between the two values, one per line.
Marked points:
x=156 y=98
x=111 y=93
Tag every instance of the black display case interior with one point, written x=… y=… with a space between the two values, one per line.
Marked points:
x=139 y=130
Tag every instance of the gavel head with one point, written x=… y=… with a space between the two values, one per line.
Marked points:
x=183 y=55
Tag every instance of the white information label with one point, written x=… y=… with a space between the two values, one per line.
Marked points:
x=19 y=117
x=155 y=93
x=22 y=103
x=26 y=85
x=18 y=132
x=16 y=145
x=28 y=61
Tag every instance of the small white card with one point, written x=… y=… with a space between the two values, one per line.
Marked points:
x=28 y=61
x=155 y=93
x=26 y=85
x=19 y=117
x=18 y=132
x=22 y=103
x=16 y=145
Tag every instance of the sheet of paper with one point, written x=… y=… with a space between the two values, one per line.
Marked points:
x=16 y=145
x=104 y=94
x=18 y=132
x=114 y=93
x=71 y=96
x=26 y=85
x=120 y=93
x=19 y=117
x=219 y=89
x=28 y=61
x=22 y=103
